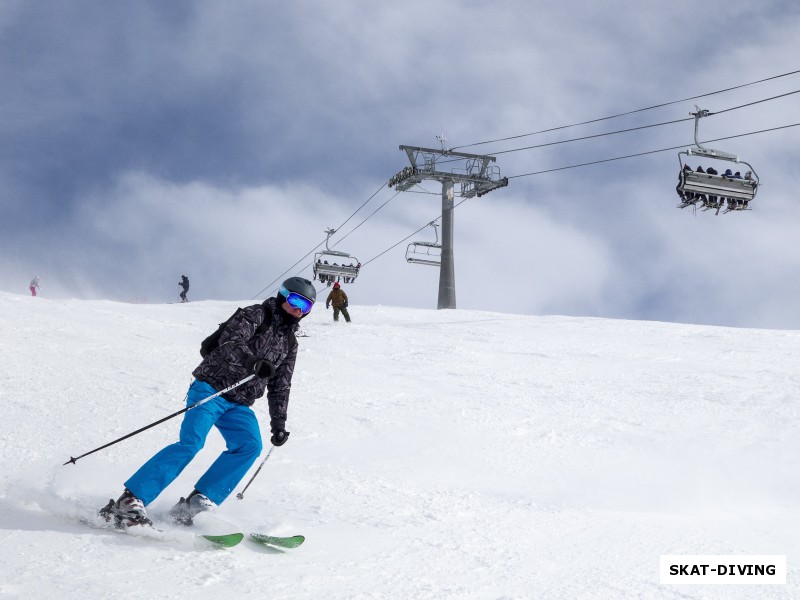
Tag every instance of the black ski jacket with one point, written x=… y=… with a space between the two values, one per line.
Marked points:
x=238 y=342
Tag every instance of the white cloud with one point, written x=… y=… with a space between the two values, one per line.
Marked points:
x=221 y=140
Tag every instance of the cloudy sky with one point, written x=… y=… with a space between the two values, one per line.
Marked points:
x=144 y=140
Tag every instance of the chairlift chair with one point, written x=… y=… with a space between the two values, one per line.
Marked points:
x=694 y=187
x=329 y=265
x=425 y=253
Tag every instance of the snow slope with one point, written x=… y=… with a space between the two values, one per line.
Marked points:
x=434 y=454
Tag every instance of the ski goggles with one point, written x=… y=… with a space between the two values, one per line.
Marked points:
x=296 y=300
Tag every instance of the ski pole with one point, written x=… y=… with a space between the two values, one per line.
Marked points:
x=240 y=495
x=73 y=460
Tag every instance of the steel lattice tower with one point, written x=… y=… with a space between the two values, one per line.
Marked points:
x=476 y=177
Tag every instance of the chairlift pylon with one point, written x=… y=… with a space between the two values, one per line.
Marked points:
x=728 y=191
x=329 y=265
x=426 y=253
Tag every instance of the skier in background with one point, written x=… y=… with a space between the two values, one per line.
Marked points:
x=248 y=344
x=34 y=285
x=184 y=283
x=338 y=298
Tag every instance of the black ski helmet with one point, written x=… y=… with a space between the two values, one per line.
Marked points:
x=301 y=286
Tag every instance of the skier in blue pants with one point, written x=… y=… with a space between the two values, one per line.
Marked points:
x=260 y=340
x=239 y=428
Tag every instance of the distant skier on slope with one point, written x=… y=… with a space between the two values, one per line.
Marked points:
x=260 y=340
x=338 y=298
x=34 y=285
x=184 y=283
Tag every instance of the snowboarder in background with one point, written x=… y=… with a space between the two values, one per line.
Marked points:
x=184 y=283
x=35 y=285
x=338 y=298
x=260 y=340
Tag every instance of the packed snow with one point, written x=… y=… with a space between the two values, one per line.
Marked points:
x=433 y=454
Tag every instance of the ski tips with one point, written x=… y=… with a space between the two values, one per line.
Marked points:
x=279 y=541
x=226 y=541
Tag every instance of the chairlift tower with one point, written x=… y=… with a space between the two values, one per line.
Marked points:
x=475 y=176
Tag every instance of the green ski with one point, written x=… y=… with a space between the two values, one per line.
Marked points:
x=226 y=541
x=281 y=542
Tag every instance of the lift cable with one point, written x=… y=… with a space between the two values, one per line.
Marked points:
x=631 y=112
x=279 y=277
x=356 y=227
x=719 y=112
x=605 y=160
x=599 y=135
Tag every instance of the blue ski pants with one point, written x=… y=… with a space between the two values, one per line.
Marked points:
x=239 y=428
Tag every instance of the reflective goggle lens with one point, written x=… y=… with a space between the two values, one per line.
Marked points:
x=297 y=301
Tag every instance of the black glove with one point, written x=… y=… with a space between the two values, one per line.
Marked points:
x=346 y=303
x=262 y=368
x=279 y=437
x=327 y=306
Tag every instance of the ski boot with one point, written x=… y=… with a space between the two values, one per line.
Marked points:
x=127 y=511
x=184 y=512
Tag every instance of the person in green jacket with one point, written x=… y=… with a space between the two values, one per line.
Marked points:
x=338 y=298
